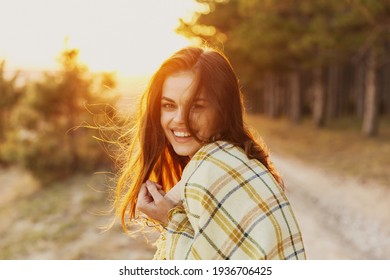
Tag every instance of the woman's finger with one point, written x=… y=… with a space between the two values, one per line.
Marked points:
x=148 y=182
x=155 y=193
x=144 y=197
x=159 y=188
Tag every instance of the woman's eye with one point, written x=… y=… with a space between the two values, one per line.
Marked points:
x=197 y=107
x=167 y=105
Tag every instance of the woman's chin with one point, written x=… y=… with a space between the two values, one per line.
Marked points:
x=186 y=149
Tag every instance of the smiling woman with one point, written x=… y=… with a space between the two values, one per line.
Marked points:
x=176 y=92
x=130 y=37
x=195 y=169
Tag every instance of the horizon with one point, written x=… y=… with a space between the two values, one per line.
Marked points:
x=128 y=85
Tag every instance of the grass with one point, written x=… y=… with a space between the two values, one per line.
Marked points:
x=340 y=147
x=63 y=221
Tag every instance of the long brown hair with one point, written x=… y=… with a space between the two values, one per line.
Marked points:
x=150 y=156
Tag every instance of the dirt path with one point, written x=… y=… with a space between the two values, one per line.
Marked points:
x=340 y=218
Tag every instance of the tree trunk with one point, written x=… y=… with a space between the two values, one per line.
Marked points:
x=2 y=126
x=277 y=95
x=333 y=92
x=359 y=89
x=384 y=89
x=370 y=117
x=344 y=86
x=270 y=95
x=319 y=99
x=283 y=105
x=295 y=97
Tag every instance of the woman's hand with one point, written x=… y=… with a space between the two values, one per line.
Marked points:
x=152 y=202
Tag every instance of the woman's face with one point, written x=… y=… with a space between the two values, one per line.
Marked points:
x=176 y=91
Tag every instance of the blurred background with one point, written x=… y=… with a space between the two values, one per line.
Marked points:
x=316 y=81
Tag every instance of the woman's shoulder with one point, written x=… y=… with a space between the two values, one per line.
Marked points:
x=215 y=149
x=224 y=164
x=217 y=158
x=220 y=151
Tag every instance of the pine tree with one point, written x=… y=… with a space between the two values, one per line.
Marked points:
x=51 y=135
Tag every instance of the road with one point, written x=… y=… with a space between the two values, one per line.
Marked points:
x=340 y=217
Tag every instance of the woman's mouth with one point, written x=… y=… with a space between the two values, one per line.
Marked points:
x=181 y=134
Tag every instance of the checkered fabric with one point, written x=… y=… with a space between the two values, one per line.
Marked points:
x=232 y=208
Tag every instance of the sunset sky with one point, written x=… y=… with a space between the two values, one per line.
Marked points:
x=131 y=37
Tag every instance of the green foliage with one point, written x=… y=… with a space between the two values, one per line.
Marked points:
x=10 y=93
x=303 y=57
x=283 y=35
x=53 y=125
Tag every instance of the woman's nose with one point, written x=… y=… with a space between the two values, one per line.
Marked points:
x=179 y=116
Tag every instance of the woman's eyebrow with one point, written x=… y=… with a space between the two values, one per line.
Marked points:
x=198 y=99
x=201 y=99
x=167 y=99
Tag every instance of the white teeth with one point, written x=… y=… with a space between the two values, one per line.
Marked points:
x=181 y=134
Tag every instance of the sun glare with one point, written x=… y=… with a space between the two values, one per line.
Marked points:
x=131 y=37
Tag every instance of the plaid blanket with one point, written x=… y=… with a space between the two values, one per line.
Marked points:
x=232 y=208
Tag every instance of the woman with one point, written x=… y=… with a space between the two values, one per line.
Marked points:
x=194 y=168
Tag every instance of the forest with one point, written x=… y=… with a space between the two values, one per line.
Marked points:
x=322 y=59
x=51 y=126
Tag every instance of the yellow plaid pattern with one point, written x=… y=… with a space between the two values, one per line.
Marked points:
x=232 y=208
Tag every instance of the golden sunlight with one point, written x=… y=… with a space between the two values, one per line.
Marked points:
x=131 y=37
